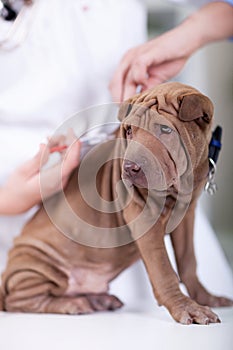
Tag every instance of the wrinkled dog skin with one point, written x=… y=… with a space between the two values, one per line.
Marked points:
x=155 y=172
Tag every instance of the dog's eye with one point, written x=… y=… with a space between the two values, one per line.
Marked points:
x=129 y=132
x=165 y=129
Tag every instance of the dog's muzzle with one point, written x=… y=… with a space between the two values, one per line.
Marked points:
x=131 y=168
x=134 y=173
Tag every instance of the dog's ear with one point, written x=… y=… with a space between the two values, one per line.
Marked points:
x=196 y=107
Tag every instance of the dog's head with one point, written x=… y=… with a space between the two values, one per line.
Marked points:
x=167 y=132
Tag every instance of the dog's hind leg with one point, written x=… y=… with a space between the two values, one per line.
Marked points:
x=30 y=291
x=33 y=294
x=183 y=244
x=31 y=285
x=79 y=305
x=48 y=304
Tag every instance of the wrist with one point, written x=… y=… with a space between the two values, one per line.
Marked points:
x=213 y=22
x=6 y=204
x=191 y=33
x=13 y=203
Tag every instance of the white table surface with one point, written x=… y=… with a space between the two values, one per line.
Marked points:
x=133 y=327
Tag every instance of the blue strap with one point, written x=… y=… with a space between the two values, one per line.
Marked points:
x=216 y=143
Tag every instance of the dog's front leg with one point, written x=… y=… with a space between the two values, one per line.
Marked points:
x=183 y=244
x=165 y=282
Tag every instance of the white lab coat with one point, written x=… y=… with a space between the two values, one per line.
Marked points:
x=59 y=61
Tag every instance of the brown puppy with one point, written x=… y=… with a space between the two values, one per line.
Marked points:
x=161 y=153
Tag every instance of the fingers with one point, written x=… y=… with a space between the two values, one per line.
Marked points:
x=149 y=64
x=124 y=83
x=54 y=178
x=71 y=159
x=32 y=166
x=117 y=83
x=135 y=77
x=132 y=72
x=56 y=140
x=148 y=75
x=71 y=156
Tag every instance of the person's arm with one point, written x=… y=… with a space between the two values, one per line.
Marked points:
x=162 y=58
x=23 y=188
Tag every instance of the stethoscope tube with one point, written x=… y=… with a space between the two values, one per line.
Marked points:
x=19 y=27
x=7 y=12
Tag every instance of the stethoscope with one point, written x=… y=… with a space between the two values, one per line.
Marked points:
x=6 y=11
x=19 y=21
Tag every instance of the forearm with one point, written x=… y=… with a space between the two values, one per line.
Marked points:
x=213 y=22
x=3 y=201
x=7 y=206
x=13 y=203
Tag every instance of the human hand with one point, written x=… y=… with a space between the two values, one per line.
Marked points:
x=148 y=65
x=163 y=57
x=28 y=183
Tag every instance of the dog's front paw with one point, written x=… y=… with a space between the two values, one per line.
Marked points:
x=187 y=312
x=213 y=300
x=203 y=297
x=220 y=301
x=198 y=293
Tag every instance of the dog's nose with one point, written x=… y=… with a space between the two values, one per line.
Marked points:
x=131 y=168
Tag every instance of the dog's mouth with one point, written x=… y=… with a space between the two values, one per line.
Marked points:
x=149 y=176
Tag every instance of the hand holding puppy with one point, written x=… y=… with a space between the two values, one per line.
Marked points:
x=23 y=188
